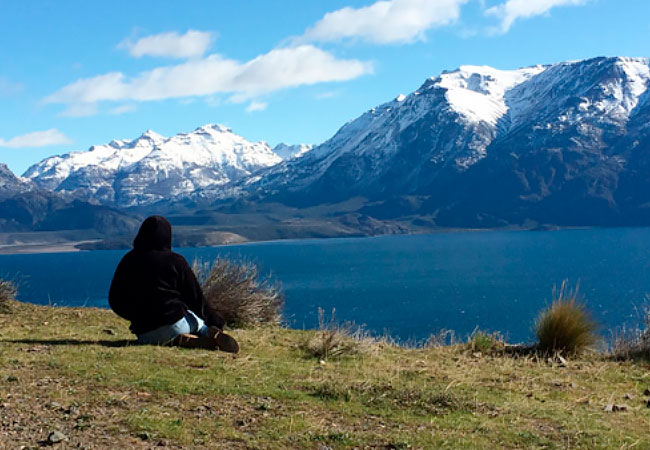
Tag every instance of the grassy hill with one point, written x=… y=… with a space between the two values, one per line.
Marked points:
x=75 y=375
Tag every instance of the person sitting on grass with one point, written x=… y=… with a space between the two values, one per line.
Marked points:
x=156 y=290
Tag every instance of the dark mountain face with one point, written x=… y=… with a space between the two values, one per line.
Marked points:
x=566 y=144
x=23 y=207
x=571 y=166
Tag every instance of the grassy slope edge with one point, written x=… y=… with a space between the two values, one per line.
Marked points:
x=69 y=370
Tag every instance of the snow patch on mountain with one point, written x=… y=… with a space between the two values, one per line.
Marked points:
x=286 y=151
x=478 y=92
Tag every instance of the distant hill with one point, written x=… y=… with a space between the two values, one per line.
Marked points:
x=25 y=207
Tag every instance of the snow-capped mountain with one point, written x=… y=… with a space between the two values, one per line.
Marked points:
x=153 y=167
x=566 y=143
x=286 y=151
x=448 y=123
x=10 y=184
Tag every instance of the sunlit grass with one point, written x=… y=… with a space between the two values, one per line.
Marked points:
x=275 y=395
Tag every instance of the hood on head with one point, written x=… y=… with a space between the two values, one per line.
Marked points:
x=155 y=234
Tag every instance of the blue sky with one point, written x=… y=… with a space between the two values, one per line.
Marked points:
x=76 y=73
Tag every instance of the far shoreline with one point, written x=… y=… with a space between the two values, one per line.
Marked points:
x=42 y=248
x=77 y=246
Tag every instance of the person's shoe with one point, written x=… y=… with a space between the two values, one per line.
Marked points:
x=193 y=341
x=223 y=341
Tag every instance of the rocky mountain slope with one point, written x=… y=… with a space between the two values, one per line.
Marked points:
x=559 y=144
x=566 y=144
x=25 y=207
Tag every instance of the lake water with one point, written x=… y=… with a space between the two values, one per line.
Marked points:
x=407 y=286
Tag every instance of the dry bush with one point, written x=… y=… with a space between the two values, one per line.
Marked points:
x=333 y=340
x=566 y=326
x=7 y=294
x=237 y=291
x=633 y=343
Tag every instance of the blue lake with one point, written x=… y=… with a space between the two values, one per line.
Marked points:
x=407 y=286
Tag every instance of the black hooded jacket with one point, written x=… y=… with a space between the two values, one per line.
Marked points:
x=154 y=286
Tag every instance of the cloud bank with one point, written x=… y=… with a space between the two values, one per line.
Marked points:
x=37 y=139
x=385 y=22
x=278 y=69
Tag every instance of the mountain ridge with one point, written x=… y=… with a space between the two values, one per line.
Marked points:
x=565 y=144
x=436 y=145
x=152 y=167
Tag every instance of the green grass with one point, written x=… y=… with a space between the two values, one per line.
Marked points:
x=69 y=369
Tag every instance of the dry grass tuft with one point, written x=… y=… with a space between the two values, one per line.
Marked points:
x=633 y=343
x=237 y=291
x=333 y=340
x=566 y=326
x=442 y=338
x=7 y=294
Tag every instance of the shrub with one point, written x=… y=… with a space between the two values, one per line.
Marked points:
x=566 y=326
x=333 y=340
x=236 y=290
x=484 y=342
x=633 y=343
x=7 y=294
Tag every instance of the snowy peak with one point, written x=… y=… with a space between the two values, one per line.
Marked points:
x=152 y=136
x=214 y=128
x=482 y=94
x=153 y=167
x=478 y=93
x=486 y=80
x=286 y=151
x=147 y=138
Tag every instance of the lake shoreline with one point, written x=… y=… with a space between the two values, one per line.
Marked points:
x=96 y=244
x=41 y=248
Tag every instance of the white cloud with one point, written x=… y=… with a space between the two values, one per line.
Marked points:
x=37 y=139
x=256 y=106
x=173 y=45
x=512 y=10
x=278 y=69
x=385 y=22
